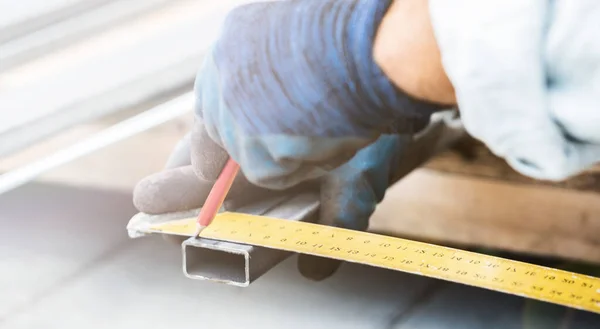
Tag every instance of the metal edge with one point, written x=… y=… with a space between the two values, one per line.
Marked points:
x=240 y=264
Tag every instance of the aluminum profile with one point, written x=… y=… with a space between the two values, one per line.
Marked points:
x=232 y=263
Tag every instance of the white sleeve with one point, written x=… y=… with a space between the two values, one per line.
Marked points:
x=493 y=53
x=573 y=48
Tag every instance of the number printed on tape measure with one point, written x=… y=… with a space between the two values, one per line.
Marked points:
x=522 y=279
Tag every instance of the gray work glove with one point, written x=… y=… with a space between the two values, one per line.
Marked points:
x=349 y=194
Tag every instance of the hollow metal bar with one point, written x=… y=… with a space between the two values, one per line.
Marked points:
x=233 y=263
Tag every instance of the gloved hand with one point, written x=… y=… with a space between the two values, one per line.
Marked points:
x=298 y=111
x=349 y=193
x=527 y=79
x=291 y=91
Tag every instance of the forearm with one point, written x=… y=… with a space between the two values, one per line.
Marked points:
x=406 y=50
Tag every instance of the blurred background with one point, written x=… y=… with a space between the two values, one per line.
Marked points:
x=70 y=68
x=93 y=96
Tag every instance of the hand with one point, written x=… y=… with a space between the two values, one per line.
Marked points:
x=349 y=193
x=527 y=79
x=291 y=91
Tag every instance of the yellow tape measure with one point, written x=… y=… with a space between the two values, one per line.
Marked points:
x=512 y=277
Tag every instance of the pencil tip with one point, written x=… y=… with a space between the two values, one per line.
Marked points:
x=199 y=230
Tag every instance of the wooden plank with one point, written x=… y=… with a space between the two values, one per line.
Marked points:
x=471 y=158
x=432 y=206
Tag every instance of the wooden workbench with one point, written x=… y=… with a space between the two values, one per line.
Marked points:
x=467 y=196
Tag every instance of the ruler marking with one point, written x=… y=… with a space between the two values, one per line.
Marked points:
x=489 y=272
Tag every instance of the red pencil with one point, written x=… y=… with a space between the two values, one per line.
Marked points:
x=217 y=195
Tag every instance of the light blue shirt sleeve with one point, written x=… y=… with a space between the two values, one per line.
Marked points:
x=526 y=79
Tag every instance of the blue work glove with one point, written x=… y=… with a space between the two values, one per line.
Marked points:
x=527 y=79
x=291 y=91
x=349 y=193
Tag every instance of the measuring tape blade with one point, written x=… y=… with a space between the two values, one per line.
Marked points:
x=517 y=278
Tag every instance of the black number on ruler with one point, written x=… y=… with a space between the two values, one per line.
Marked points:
x=353 y=252
x=385 y=245
x=459 y=272
x=335 y=249
x=595 y=300
x=576 y=297
x=266 y=237
x=587 y=285
x=298 y=230
x=568 y=281
x=315 y=232
x=537 y=288
x=456 y=258
x=549 y=277
x=444 y=269
x=366 y=241
x=531 y=273
x=283 y=240
x=388 y=258
x=499 y=280
x=406 y=261
x=516 y=283
x=301 y=243
x=317 y=245
x=492 y=265
x=438 y=254
x=511 y=269
x=480 y=276
x=349 y=238
x=475 y=262
x=419 y=251
x=370 y=254
x=556 y=292
x=402 y=248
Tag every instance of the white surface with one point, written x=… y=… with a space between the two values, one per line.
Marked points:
x=17 y=11
x=39 y=42
x=107 y=61
x=146 y=56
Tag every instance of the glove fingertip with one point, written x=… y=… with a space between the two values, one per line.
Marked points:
x=169 y=191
